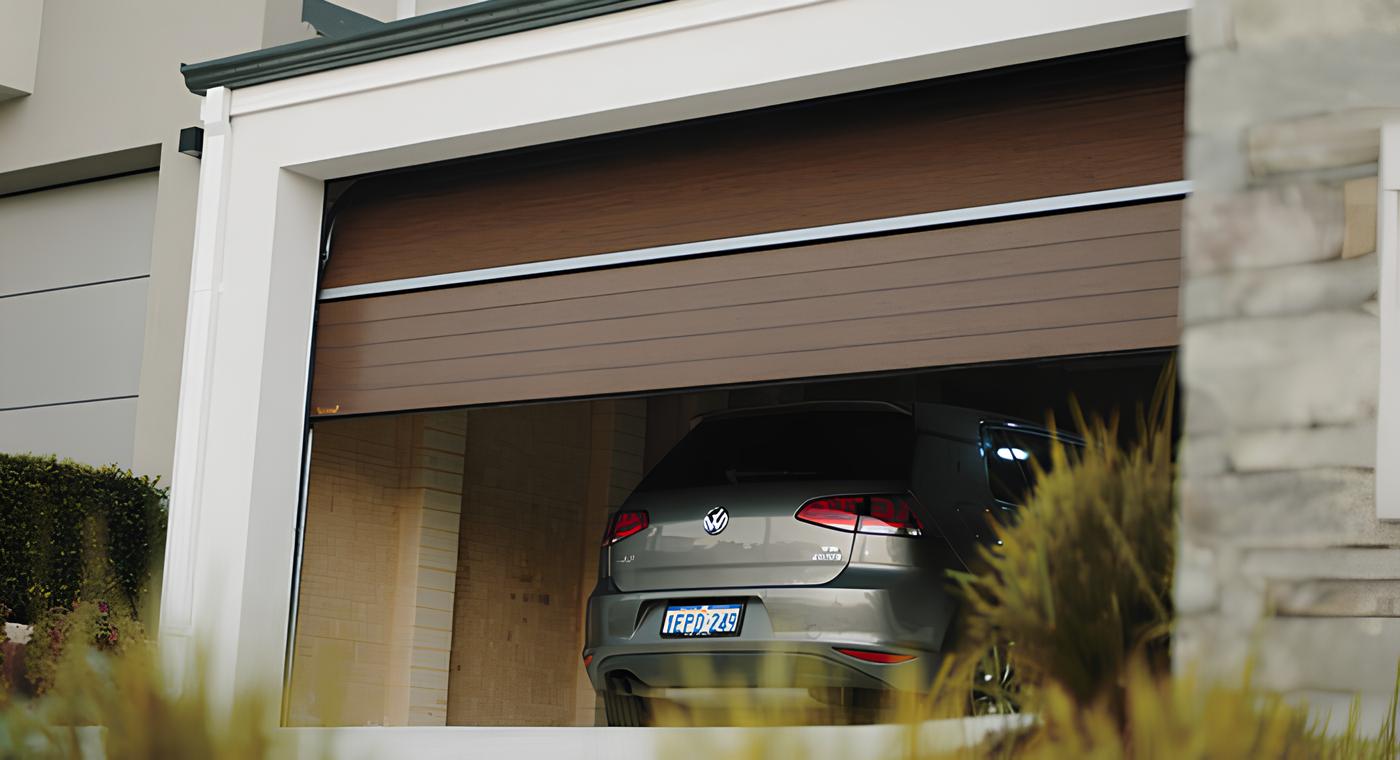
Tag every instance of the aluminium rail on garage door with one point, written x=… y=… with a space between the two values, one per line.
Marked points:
x=420 y=309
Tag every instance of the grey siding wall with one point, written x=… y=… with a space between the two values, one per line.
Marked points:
x=1282 y=556
x=108 y=98
x=91 y=232
x=74 y=270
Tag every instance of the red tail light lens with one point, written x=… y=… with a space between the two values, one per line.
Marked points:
x=870 y=655
x=624 y=524
x=890 y=515
x=839 y=512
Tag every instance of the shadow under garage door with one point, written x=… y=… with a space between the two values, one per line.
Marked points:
x=447 y=553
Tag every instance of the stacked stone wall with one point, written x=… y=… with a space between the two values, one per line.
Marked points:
x=1283 y=559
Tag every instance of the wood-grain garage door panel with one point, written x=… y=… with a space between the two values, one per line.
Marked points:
x=931 y=301
x=768 y=295
x=1073 y=127
x=917 y=299
x=1040 y=231
x=1113 y=336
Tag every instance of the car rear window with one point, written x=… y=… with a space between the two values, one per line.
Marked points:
x=824 y=445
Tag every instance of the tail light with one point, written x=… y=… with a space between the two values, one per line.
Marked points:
x=886 y=515
x=872 y=655
x=624 y=524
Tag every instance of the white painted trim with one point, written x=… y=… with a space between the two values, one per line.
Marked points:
x=177 y=608
x=1159 y=191
x=860 y=742
x=1388 y=251
x=557 y=40
x=667 y=62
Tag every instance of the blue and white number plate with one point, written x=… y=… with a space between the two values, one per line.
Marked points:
x=702 y=620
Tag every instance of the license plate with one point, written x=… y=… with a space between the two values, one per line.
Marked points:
x=702 y=620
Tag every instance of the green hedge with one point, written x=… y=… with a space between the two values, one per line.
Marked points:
x=57 y=517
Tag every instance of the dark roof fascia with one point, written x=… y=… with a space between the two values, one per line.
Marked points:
x=479 y=21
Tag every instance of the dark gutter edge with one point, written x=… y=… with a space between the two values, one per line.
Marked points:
x=479 y=21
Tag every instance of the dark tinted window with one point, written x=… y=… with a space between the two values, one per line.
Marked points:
x=1009 y=456
x=818 y=445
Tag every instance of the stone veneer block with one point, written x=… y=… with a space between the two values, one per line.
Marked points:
x=1336 y=598
x=1282 y=290
x=1281 y=23
x=1296 y=371
x=1348 y=138
x=1262 y=227
x=1360 y=199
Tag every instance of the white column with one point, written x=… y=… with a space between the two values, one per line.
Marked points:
x=227 y=587
x=1388 y=251
x=177 y=587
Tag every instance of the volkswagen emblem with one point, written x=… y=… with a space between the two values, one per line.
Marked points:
x=715 y=520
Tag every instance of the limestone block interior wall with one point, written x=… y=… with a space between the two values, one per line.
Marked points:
x=1282 y=556
x=540 y=481
x=448 y=559
x=378 y=568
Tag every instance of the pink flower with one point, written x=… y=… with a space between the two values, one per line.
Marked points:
x=103 y=608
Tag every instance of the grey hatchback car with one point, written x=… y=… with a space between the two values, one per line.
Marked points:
x=800 y=546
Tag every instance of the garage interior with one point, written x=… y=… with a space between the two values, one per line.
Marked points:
x=448 y=555
x=477 y=407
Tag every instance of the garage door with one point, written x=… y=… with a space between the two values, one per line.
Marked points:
x=1075 y=283
x=427 y=304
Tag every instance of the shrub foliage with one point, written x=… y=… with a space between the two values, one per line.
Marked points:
x=1081 y=584
x=58 y=515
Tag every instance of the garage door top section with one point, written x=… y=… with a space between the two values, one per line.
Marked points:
x=1073 y=283
x=1107 y=122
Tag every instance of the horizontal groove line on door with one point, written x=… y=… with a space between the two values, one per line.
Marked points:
x=422 y=374
x=510 y=302
x=699 y=360
x=337 y=339
x=352 y=351
x=1159 y=332
x=828 y=282
x=773 y=257
x=1003 y=305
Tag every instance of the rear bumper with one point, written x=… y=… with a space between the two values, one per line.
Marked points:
x=789 y=635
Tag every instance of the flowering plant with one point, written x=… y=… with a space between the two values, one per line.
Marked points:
x=97 y=624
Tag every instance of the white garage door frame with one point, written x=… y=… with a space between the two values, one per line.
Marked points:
x=269 y=149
